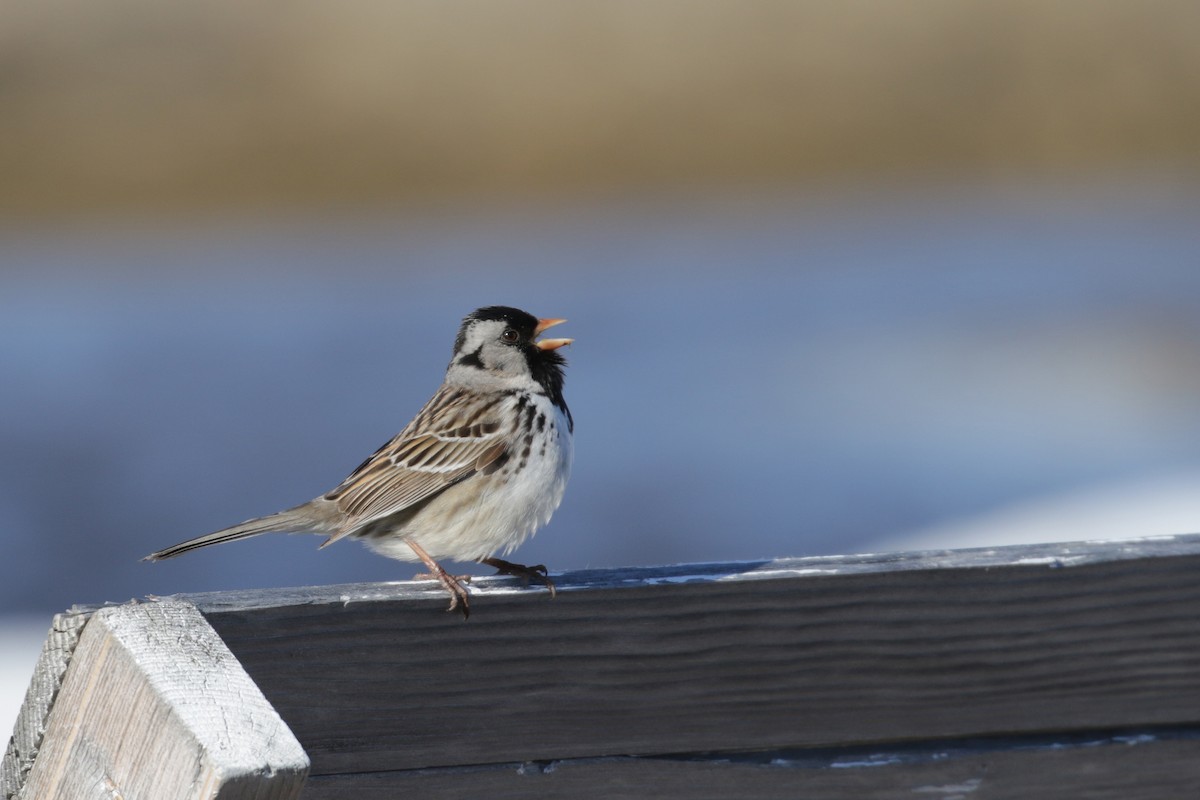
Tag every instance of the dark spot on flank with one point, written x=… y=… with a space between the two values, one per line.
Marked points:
x=541 y=422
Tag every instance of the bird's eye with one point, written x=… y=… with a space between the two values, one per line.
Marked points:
x=510 y=336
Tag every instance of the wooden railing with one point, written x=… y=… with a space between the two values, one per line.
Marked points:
x=1055 y=671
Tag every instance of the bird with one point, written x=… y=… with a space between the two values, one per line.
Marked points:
x=477 y=471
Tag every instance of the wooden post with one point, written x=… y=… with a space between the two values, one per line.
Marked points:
x=155 y=707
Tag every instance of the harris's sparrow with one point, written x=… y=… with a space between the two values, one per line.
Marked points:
x=477 y=471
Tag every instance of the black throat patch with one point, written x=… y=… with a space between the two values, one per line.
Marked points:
x=472 y=359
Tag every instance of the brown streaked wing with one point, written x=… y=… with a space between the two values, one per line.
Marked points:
x=388 y=487
x=459 y=441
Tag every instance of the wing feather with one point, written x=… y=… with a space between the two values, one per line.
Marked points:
x=451 y=439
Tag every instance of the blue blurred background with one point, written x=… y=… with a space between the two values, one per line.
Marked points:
x=842 y=276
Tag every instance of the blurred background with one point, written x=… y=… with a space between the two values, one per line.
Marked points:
x=844 y=275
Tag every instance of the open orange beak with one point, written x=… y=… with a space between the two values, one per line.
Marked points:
x=549 y=344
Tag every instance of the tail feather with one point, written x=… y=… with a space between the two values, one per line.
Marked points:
x=295 y=520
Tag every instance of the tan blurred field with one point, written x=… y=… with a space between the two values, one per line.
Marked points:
x=138 y=106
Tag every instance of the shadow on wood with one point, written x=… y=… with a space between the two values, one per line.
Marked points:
x=1067 y=670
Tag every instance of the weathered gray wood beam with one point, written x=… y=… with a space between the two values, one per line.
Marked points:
x=800 y=653
x=1092 y=769
x=1066 y=670
x=154 y=707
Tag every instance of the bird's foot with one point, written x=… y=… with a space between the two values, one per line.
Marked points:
x=453 y=585
x=537 y=572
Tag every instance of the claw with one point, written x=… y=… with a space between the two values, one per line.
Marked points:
x=537 y=572
x=458 y=596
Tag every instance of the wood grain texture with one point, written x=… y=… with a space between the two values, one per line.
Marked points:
x=154 y=706
x=43 y=688
x=1100 y=770
x=796 y=653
